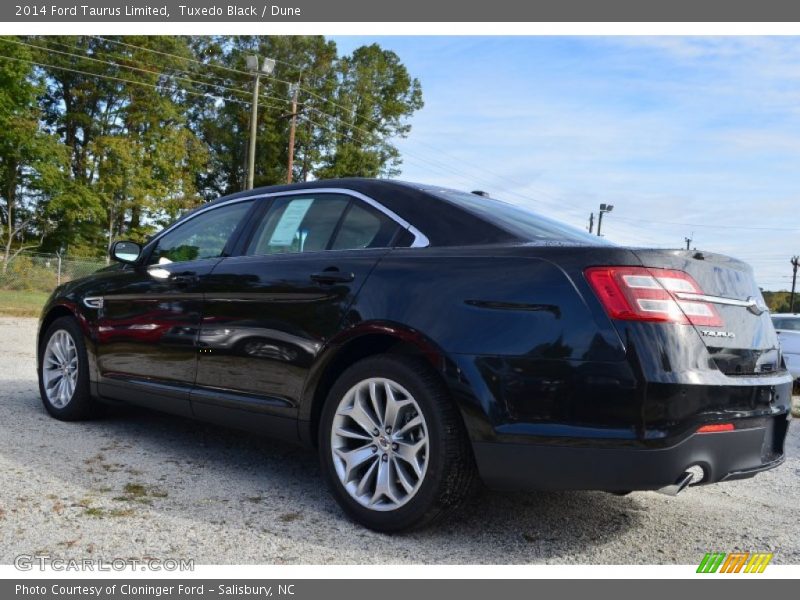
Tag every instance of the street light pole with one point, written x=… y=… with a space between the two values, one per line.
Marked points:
x=267 y=68
x=604 y=208
x=795 y=262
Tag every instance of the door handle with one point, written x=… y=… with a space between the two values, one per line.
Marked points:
x=183 y=278
x=332 y=276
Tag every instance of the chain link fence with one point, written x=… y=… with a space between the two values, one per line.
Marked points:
x=32 y=271
x=28 y=279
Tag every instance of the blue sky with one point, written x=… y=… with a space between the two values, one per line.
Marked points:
x=686 y=136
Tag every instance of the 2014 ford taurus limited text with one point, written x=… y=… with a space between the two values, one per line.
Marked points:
x=425 y=339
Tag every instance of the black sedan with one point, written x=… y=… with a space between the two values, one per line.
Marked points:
x=425 y=339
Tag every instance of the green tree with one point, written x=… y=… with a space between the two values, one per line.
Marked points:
x=374 y=98
x=350 y=110
x=31 y=163
x=132 y=155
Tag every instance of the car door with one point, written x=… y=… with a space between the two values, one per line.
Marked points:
x=269 y=311
x=148 y=325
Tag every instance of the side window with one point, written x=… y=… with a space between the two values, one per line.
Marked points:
x=203 y=236
x=364 y=227
x=302 y=223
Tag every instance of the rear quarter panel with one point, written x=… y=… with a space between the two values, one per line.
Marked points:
x=523 y=346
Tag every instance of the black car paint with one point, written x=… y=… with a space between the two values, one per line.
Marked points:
x=552 y=392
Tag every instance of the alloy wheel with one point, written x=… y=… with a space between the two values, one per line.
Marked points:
x=379 y=443
x=60 y=368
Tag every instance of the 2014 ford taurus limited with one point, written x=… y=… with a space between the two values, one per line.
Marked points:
x=424 y=339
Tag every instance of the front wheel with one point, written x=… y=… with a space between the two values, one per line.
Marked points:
x=64 y=372
x=393 y=448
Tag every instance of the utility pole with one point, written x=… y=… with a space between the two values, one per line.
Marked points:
x=795 y=262
x=267 y=68
x=293 y=90
x=604 y=208
x=591 y=222
x=688 y=241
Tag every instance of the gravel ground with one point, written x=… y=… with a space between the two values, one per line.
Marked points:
x=139 y=484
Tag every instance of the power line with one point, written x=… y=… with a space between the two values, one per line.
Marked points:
x=131 y=81
x=139 y=61
x=426 y=161
x=373 y=135
x=157 y=87
x=707 y=226
x=195 y=61
x=312 y=93
x=132 y=68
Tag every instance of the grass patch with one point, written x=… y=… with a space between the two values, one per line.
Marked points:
x=15 y=303
x=135 y=489
x=289 y=517
x=99 y=513
x=138 y=492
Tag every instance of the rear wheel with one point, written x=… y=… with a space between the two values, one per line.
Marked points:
x=393 y=448
x=64 y=372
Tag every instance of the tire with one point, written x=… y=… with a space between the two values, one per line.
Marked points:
x=444 y=474
x=77 y=404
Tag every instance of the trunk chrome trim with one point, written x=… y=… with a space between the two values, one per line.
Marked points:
x=751 y=304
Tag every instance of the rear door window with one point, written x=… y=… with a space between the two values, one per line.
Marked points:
x=364 y=227
x=302 y=223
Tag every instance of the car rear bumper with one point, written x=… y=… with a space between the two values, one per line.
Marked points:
x=756 y=445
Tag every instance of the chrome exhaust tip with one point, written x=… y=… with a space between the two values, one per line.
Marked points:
x=676 y=488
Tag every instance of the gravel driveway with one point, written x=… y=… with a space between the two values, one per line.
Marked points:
x=138 y=484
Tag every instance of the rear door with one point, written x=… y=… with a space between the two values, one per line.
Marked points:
x=743 y=341
x=269 y=311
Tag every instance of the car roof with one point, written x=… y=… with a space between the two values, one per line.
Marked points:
x=442 y=222
x=786 y=315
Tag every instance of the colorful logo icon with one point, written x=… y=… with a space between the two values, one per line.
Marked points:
x=735 y=562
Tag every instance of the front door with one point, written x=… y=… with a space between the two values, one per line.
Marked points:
x=148 y=325
x=269 y=312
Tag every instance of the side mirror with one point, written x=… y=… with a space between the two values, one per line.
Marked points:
x=125 y=252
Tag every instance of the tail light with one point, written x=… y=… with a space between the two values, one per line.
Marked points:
x=647 y=294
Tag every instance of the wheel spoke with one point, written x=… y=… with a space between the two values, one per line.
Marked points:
x=366 y=478
x=353 y=435
x=375 y=403
x=410 y=454
x=382 y=485
x=414 y=422
x=393 y=407
x=361 y=417
x=58 y=351
x=355 y=458
x=55 y=378
x=402 y=476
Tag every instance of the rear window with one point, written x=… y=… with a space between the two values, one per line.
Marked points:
x=519 y=221
x=786 y=324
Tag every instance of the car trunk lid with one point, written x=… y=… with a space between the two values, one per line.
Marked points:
x=744 y=342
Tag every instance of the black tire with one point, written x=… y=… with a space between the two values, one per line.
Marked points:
x=450 y=477
x=81 y=405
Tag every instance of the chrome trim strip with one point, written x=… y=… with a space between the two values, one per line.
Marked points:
x=420 y=239
x=93 y=301
x=750 y=304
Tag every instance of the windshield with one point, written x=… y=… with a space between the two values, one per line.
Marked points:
x=786 y=323
x=519 y=221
